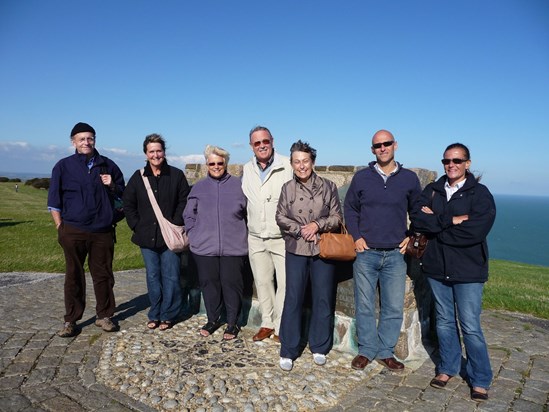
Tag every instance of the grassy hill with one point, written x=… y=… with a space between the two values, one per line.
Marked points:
x=28 y=243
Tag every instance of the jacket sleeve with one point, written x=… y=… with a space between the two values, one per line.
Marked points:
x=287 y=225
x=183 y=193
x=54 y=192
x=481 y=218
x=331 y=222
x=190 y=211
x=352 y=209
x=130 y=201
x=118 y=179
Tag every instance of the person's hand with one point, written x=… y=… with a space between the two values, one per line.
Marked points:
x=360 y=245
x=107 y=180
x=309 y=231
x=403 y=245
x=457 y=220
x=427 y=209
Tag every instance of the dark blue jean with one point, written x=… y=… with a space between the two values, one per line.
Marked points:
x=163 y=270
x=461 y=302
x=321 y=273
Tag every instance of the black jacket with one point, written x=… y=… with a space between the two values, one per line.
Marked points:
x=456 y=253
x=170 y=189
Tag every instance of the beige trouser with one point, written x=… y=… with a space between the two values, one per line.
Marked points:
x=267 y=259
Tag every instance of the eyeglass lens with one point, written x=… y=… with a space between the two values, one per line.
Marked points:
x=216 y=163
x=386 y=144
x=265 y=142
x=454 y=161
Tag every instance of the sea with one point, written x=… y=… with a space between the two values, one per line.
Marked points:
x=521 y=230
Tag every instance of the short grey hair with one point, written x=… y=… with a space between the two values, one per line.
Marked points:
x=260 y=128
x=218 y=151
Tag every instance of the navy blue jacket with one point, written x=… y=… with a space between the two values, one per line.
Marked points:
x=456 y=253
x=170 y=190
x=377 y=211
x=84 y=201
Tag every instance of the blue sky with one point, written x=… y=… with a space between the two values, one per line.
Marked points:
x=332 y=73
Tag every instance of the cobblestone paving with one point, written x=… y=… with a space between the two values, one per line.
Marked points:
x=109 y=372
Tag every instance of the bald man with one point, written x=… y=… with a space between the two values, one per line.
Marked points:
x=376 y=207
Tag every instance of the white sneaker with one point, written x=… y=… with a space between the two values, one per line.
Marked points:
x=286 y=364
x=319 y=358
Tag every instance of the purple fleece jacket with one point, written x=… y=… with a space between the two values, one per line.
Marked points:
x=215 y=217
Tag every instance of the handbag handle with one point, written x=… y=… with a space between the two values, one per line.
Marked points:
x=152 y=199
x=341 y=225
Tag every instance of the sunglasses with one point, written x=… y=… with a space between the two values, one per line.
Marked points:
x=454 y=161
x=211 y=164
x=265 y=142
x=386 y=144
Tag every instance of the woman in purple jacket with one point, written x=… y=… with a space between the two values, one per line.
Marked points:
x=215 y=220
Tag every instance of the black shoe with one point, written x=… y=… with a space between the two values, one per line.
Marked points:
x=210 y=328
x=479 y=396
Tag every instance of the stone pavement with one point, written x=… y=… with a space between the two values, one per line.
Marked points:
x=140 y=370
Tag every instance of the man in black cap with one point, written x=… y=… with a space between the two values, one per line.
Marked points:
x=81 y=199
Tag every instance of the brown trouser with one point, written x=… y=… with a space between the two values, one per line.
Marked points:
x=99 y=247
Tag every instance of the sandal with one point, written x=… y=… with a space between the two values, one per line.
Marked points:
x=209 y=328
x=231 y=332
x=438 y=383
x=165 y=325
x=153 y=324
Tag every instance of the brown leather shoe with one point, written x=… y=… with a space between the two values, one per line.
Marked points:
x=360 y=362
x=391 y=363
x=263 y=333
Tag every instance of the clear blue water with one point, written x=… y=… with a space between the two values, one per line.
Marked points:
x=521 y=230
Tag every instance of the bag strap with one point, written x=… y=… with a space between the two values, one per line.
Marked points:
x=154 y=203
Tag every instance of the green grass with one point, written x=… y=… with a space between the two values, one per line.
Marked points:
x=518 y=287
x=28 y=243
x=28 y=239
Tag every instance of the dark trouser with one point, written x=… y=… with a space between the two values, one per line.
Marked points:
x=221 y=282
x=299 y=269
x=99 y=247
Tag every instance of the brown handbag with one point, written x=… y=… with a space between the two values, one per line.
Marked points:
x=416 y=246
x=337 y=246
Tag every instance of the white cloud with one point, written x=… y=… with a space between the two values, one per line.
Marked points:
x=9 y=146
x=184 y=159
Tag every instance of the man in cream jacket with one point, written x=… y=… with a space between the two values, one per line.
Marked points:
x=262 y=180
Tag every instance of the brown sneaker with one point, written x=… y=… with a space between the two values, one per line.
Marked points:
x=106 y=324
x=68 y=331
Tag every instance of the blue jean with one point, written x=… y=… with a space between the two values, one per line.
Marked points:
x=389 y=269
x=321 y=273
x=163 y=269
x=467 y=299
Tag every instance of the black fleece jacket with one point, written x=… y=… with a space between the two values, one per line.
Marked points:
x=170 y=189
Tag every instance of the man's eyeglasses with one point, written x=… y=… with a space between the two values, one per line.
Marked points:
x=212 y=164
x=446 y=162
x=265 y=142
x=386 y=144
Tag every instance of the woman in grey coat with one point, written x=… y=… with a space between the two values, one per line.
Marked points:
x=308 y=205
